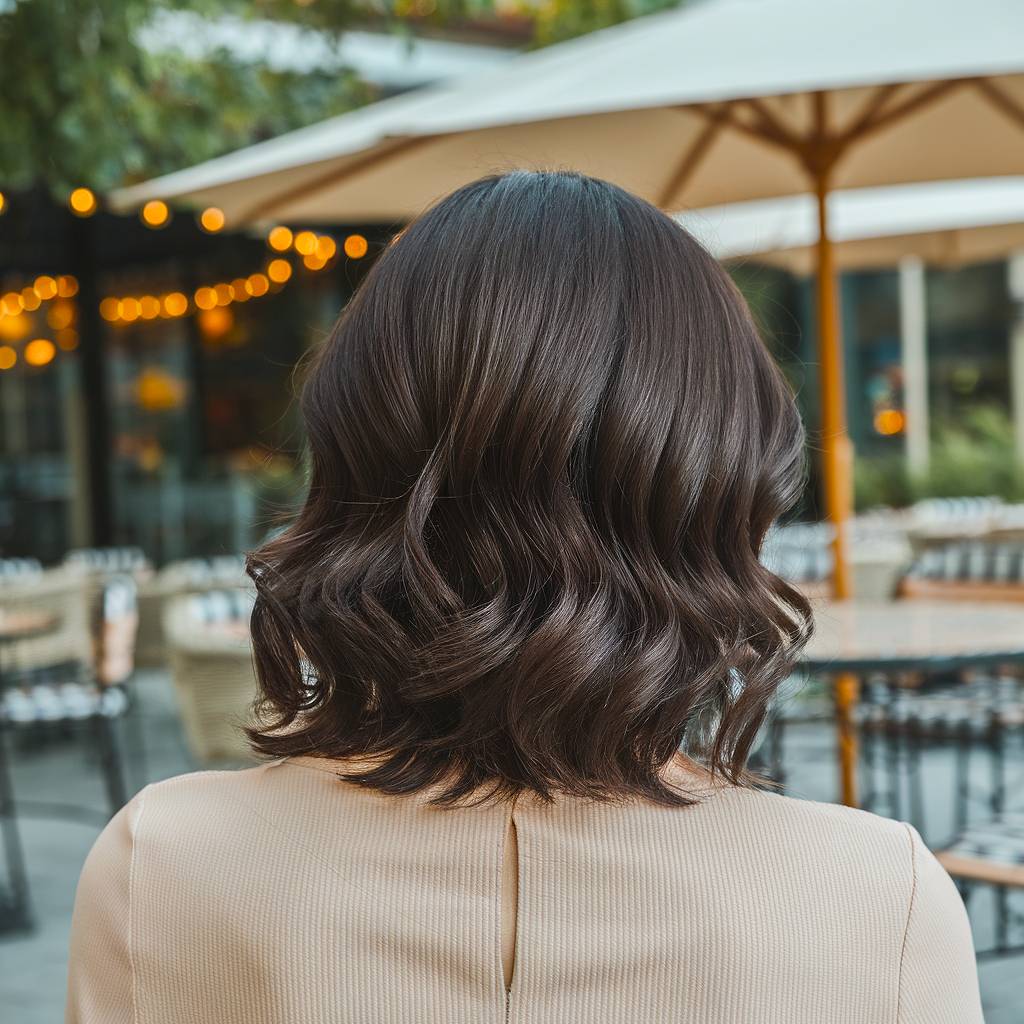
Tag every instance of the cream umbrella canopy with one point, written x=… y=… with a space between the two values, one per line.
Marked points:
x=714 y=103
x=945 y=223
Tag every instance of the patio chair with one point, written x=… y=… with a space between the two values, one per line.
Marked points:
x=211 y=665
x=967 y=570
x=901 y=717
x=989 y=853
x=65 y=653
x=177 y=579
x=20 y=569
x=109 y=561
x=38 y=698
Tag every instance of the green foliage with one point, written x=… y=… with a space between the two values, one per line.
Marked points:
x=557 y=20
x=84 y=104
x=976 y=457
x=881 y=480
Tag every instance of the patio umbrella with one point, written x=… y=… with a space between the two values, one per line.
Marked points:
x=713 y=103
x=906 y=226
x=947 y=223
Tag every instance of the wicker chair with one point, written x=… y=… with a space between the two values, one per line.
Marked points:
x=967 y=570
x=802 y=554
x=45 y=695
x=65 y=653
x=211 y=665
x=178 y=579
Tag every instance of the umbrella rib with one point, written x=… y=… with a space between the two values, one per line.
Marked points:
x=333 y=176
x=878 y=99
x=692 y=157
x=921 y=99
x=727 y=117
x=771 y=125
x=999 y=99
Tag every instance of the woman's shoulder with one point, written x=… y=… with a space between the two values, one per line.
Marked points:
x=185 y=815
x=845 y=839
x=796 y=812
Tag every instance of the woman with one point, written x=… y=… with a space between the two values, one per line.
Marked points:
x=513 y=656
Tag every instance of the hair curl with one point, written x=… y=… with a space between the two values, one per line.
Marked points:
x=546 y=444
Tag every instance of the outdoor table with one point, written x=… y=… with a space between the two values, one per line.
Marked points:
x=15 y=625
x=854 y=638
x=230 y=629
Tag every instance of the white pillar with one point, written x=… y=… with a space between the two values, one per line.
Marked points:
x=914 y=348
x=1015 y=266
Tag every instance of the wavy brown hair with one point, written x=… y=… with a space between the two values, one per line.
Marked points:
x=546 y=443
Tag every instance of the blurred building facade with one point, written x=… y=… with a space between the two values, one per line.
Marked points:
x=195 y=338
x=198 y=351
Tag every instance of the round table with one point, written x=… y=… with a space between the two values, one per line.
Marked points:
x=853 y=638
x=17 y=624
x=25 y=623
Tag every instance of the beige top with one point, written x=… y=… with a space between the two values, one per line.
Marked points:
x=283 y=895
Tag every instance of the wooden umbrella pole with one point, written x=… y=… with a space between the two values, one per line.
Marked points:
x=835 y=444
x=837 y=456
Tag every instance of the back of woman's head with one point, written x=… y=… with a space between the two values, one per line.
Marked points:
x=546 y=444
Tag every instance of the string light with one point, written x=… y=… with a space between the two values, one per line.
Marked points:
x=3 y=202
x=155 y=214
x=305 y=243
x=279 y=271
x=175 y=304
x=356 y=247
x=8 y=357
x=82 y=202
x=257 y=285
x=280 y=239
x=317 y=251
x=40 y=351
x=211 y=219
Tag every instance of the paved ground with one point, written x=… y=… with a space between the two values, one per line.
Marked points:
x=32 y=967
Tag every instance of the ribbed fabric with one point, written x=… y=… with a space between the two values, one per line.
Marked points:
x=283 y=895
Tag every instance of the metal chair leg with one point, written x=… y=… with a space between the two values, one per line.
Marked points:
x=111 y=762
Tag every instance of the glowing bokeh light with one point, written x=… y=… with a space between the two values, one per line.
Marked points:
x=155 y=214
x=356 y=247
x=279 y=271
x=82 y=202
x=212 y=219
x=40 y=351
x=280 y=239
